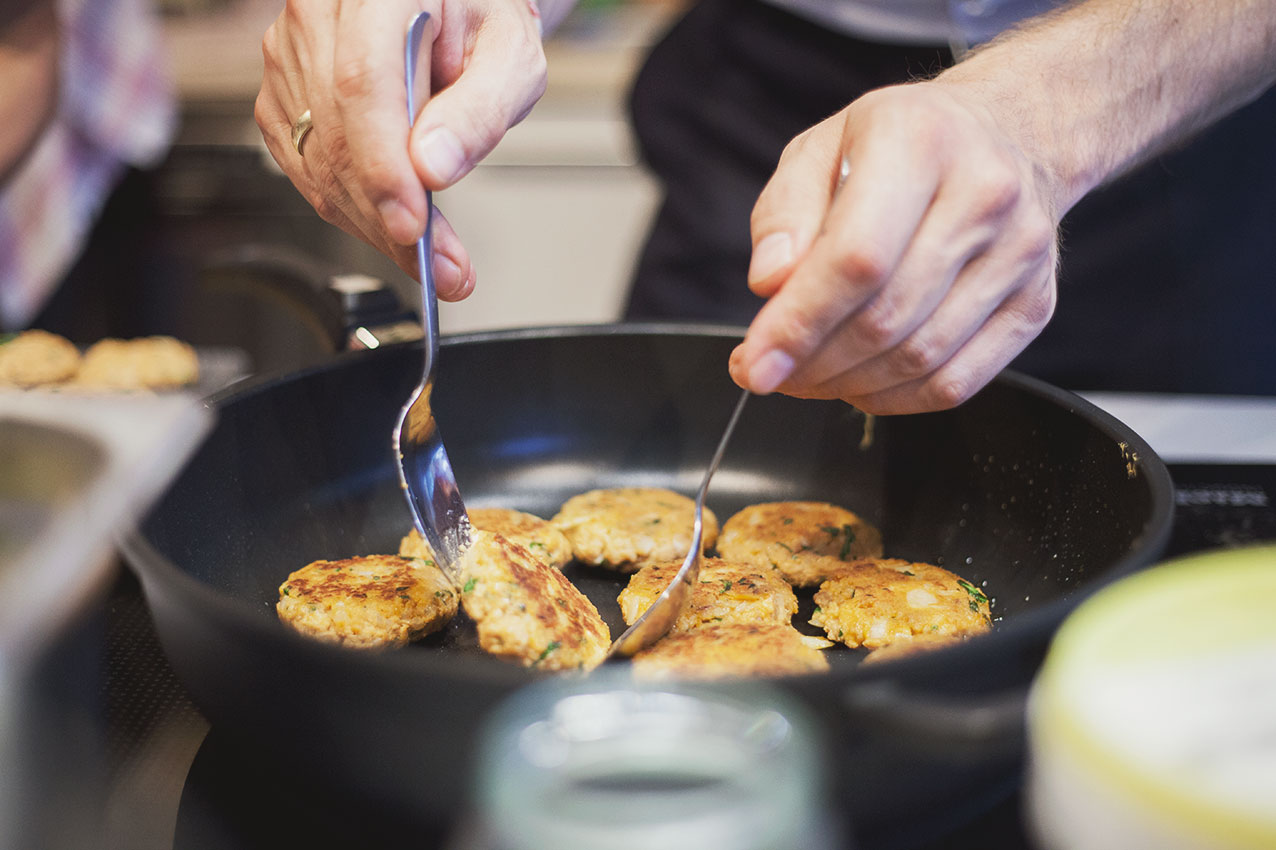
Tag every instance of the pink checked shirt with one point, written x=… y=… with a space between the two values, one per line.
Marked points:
x=116 y=108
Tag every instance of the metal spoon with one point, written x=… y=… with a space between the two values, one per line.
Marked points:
x=669 y=605
x=425 y=473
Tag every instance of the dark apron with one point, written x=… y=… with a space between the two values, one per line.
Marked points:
x=1168 y=276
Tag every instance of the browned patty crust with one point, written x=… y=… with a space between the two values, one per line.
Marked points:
x=367 y=602
x=528 y=611
x=527 y=530
x=731 y=650
x=877 y=601
x=725 y=592
x=916 y=645
x=805 y=542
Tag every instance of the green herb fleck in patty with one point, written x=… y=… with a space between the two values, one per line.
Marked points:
x=553 y=645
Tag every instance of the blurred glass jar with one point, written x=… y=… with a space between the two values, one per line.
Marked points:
x=571 y=764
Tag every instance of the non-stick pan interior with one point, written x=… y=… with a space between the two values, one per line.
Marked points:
x=1024 y=490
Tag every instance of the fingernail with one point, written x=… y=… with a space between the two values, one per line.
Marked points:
x=447 y=276
x=769 y=371
x=773 y=253
x=398 y=221
x=442 y=154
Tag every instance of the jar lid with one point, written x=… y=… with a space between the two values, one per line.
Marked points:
x=1153 y=720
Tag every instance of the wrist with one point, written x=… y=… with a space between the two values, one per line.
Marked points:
x=1056 y=155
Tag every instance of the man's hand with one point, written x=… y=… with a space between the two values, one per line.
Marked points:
x=909 y=284
x=361 y=169
x=932 y=266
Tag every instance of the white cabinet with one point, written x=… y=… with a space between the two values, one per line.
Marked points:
x=553 y=220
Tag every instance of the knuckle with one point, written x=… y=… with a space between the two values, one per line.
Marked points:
x=878 y=324
x=796 y=145
x=526 y=62
x=1037 y=306
x=860 y=265
x=798 y=333
x=890 y=103
x=1038 y=238
x=917 y=123
x=376 y=177
x=293 y=16
x=800 y=146
x=759 y=215
x=916 y=356
x=342 y=165
x=948 y=391
x=270 y=47
x=766 y=215
x=259 y=113
x=327 y=209
x=998 y=193
x=324 y=198
x=536 y=66
x=353 y=77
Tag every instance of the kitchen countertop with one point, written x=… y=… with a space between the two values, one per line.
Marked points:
x=1198 y=428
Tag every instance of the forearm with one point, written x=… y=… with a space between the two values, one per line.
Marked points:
x=29 y=70
x=1097 y=87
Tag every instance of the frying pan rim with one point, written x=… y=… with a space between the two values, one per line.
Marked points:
x=258 y=383
x=1035 y=625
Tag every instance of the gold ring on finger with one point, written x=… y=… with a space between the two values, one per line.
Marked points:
x=300 y=128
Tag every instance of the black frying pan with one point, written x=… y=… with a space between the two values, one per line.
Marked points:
x=1025 y=487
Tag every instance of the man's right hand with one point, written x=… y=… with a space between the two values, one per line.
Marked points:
x=362 y=169
x=904 y=280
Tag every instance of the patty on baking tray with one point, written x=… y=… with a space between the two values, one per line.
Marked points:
x=36 y=358
x=145 y=363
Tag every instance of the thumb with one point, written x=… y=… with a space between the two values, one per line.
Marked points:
x=501 y=79
x=791 y=208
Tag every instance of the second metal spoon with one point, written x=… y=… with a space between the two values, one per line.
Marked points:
x=656 y=621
